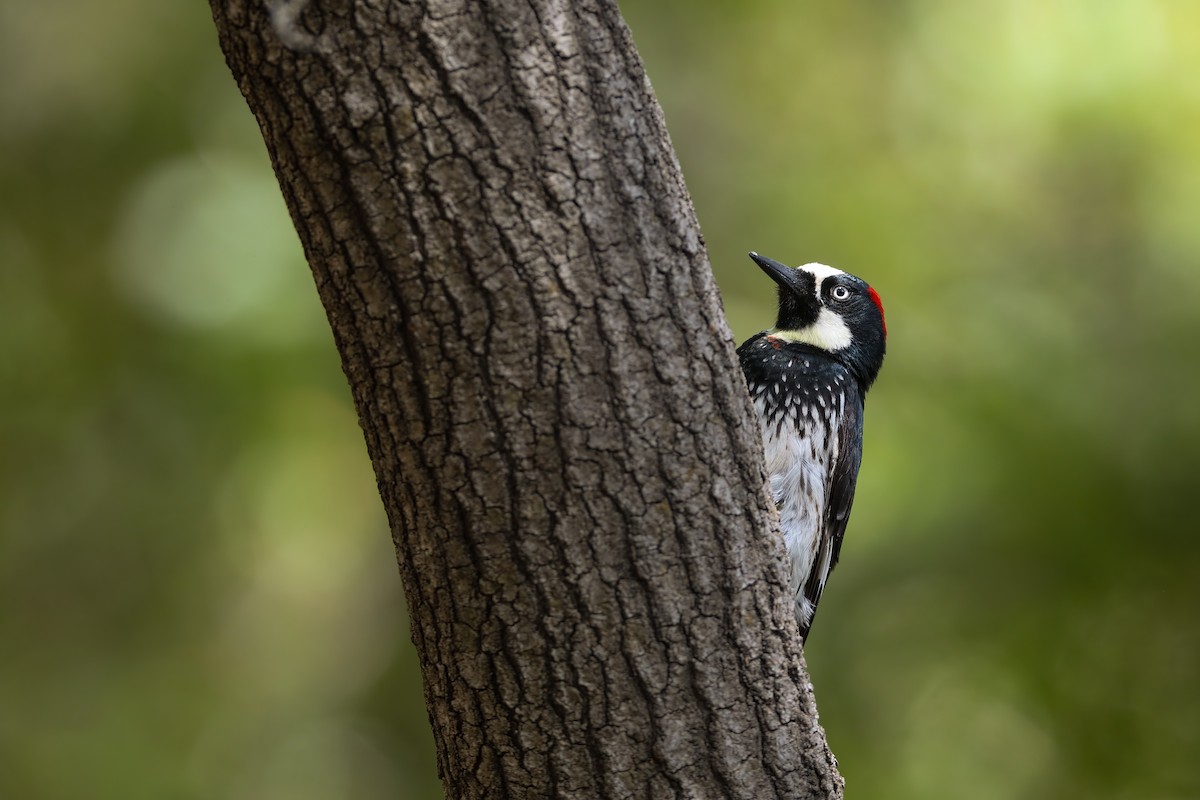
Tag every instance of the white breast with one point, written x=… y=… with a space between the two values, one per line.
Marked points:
x=800 y=450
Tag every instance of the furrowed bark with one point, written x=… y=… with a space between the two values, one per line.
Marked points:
x=517 y=285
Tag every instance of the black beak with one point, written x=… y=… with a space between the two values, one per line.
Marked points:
x=798 y=303
x=782 y=274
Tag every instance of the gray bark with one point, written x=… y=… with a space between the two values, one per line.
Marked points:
x=518 y=288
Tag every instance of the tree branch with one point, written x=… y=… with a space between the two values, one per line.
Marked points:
x=517 y=285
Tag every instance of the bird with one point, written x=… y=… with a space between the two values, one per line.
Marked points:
x=808 y=379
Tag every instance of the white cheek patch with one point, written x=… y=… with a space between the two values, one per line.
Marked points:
x=829 y=332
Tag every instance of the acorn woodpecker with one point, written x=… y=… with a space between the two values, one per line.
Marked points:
x=808 y=377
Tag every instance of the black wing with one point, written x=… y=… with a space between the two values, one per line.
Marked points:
x=843 y=478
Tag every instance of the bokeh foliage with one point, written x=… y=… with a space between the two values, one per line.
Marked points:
x=197 y=590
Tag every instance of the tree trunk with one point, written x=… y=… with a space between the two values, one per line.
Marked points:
x=517 y=285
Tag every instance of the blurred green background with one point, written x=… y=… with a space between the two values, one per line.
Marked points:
x=197 y=590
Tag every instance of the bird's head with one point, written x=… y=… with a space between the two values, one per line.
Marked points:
x=832 y=311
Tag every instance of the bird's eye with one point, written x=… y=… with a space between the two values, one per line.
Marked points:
x=840 y=293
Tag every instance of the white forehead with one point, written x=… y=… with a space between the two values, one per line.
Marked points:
x=821 y=271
